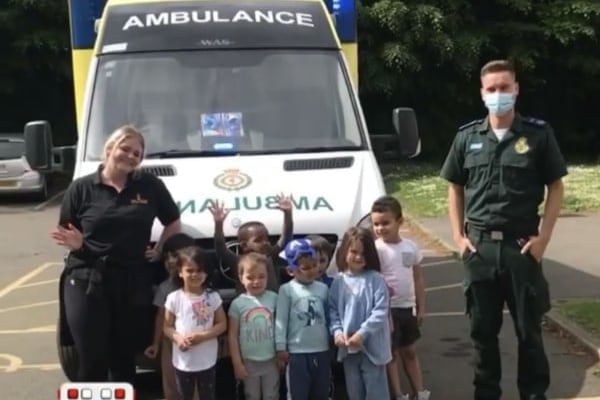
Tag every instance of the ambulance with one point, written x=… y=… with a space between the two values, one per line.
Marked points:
x=238 y=100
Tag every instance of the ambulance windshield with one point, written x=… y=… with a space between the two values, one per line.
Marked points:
x=244 y=102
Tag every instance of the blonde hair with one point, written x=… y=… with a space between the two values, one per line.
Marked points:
x=250 y=261
x=119 y=135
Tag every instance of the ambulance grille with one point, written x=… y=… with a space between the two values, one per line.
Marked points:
x=160 y=170
x=318 y=163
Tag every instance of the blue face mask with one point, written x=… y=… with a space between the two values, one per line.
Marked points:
x=499 y=103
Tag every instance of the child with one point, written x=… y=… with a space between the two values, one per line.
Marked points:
x=161 y=343
x=301 y=337
x=358 y=305
x=194 y=318
x=400 y=259
x=324 y=251
x=253 y=236
x=251 y=331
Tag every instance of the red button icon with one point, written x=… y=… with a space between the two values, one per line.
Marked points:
x=119 y=394
x=72 y=394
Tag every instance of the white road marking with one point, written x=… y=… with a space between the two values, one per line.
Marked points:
x=25 y=306
x=17 y=283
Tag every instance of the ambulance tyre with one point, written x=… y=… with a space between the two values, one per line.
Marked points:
x=68 y=358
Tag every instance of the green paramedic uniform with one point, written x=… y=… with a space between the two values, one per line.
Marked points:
x=504 y=183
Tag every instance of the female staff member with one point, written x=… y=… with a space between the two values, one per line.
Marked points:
x=105 y=221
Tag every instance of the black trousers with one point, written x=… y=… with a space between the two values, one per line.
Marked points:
x=203 y=381
x=101 y=325
x=498 y=274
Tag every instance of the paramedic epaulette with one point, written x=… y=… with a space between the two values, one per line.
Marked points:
x=470 y=124
x=534 y=121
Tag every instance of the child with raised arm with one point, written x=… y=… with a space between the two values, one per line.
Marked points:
x=161 y=344
x=194 y=318
x=358 y=305
x=251 y=331
x=400 y=266
x=301 y=335
x=253 y=236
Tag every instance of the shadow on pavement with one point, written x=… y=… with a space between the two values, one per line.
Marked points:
x=446 y=352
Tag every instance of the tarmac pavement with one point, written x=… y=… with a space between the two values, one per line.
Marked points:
x=28 y=308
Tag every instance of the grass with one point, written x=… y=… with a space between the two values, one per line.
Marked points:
x=585 y=312
x=582 y=188
x=424 y=194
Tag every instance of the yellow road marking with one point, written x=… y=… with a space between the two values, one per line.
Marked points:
x=38 y=283
x=16 y=363
x=39 y=329
x=443 y=287
x=449 y=262
x=451 y=314
x=32 y=305
x=14 y=285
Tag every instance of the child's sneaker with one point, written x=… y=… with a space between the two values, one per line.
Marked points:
x=423 y=395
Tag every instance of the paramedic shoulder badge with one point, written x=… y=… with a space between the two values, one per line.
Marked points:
x=232 y=180
x=521 y=146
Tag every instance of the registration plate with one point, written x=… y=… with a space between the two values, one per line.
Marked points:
x=6 y=183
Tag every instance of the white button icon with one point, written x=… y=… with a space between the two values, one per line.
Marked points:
x=86 y=394
x=106 y=394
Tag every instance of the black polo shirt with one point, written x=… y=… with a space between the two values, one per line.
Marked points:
x=118 y=225
x=504 y=181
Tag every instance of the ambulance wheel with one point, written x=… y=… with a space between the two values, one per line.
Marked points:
x=67 y=357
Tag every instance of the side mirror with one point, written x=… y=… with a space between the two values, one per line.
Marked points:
x=405 y=124
x=64 y=158
x=38 y=145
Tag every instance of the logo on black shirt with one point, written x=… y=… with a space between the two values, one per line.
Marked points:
x=138 y=199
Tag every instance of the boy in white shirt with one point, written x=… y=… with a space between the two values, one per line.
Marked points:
x=400 y=265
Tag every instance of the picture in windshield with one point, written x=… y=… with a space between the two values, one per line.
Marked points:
x=223 y=130
x=222 y=124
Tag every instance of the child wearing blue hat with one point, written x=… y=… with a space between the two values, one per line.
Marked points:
x=301 y=324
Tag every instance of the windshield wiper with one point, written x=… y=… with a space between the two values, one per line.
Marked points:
x=180 y=153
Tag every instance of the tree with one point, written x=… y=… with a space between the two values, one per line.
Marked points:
x=35 y=75
x=428 y=55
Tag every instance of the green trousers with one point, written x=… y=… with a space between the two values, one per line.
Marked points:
x=495 y=275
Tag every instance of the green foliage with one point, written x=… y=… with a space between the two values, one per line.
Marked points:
x=35 y=74
x=427 y=55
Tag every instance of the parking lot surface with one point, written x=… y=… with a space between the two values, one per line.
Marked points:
x=29 y=366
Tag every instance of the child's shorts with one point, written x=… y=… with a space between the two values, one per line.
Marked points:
x=406 y=328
